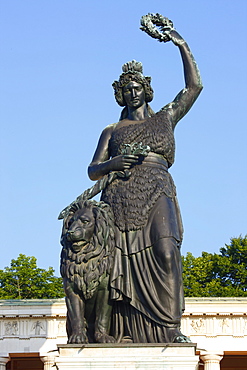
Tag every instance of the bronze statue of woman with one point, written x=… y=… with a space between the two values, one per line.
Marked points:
x=146 y=281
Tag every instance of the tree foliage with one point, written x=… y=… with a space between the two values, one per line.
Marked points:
x=217 y=275
x=210 y=275
x=24 y=280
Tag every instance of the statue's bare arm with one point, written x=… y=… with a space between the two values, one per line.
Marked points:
x=102 y=164
x=193 y=85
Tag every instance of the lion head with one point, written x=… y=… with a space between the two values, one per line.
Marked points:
x=88 y=244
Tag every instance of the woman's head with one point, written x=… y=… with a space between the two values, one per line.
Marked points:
x=132 y=72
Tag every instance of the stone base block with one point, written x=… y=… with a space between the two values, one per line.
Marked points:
x=127 y=357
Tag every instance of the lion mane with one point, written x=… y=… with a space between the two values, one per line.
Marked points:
x=86 y=268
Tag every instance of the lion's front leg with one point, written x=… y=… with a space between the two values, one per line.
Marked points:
x=76 y=329
x=103 y=314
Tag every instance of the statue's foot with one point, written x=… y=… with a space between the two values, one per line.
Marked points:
x=181 y=339
x=127 y=339
x=104 y=338
x=174 y=335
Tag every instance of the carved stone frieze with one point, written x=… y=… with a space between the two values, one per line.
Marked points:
x=38 y=328
x=198 y=325
x=210 y=326
x=11 y=328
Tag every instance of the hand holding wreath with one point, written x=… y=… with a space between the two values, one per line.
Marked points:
x=160 y=28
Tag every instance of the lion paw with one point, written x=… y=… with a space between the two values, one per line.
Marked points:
x=77 y=339
x=104 y=338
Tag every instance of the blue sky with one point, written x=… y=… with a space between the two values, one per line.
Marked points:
x=58 y=61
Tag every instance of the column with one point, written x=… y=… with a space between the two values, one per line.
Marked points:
x=211 y=360
x=49 y=362
x=3 y=362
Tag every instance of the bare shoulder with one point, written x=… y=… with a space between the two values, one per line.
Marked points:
x=101 y=154
x=109 y=129
x=105 y=136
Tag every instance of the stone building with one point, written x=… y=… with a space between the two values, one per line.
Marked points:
x=31 y=330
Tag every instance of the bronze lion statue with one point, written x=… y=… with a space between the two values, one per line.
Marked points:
x=86 y=260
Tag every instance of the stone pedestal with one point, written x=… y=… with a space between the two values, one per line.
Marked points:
x=127 y=357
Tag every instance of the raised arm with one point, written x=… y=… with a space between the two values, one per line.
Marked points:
x=193 y=85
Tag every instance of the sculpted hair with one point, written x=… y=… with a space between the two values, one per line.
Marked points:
x=132 y=71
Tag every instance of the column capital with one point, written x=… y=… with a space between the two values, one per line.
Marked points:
x=4 y=359
x=48 y=360
x=3 y=362
x=211 y=359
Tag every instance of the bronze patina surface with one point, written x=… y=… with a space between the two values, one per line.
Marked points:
x=131 y=165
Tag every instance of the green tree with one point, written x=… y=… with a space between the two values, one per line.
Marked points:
x=217 y=275
x=24 y=280
x=235 y=272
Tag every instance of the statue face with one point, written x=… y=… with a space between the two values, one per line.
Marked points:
x=134 y=94
x=81 y=228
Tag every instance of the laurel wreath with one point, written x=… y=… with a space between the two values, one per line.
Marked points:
x=157 y=26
